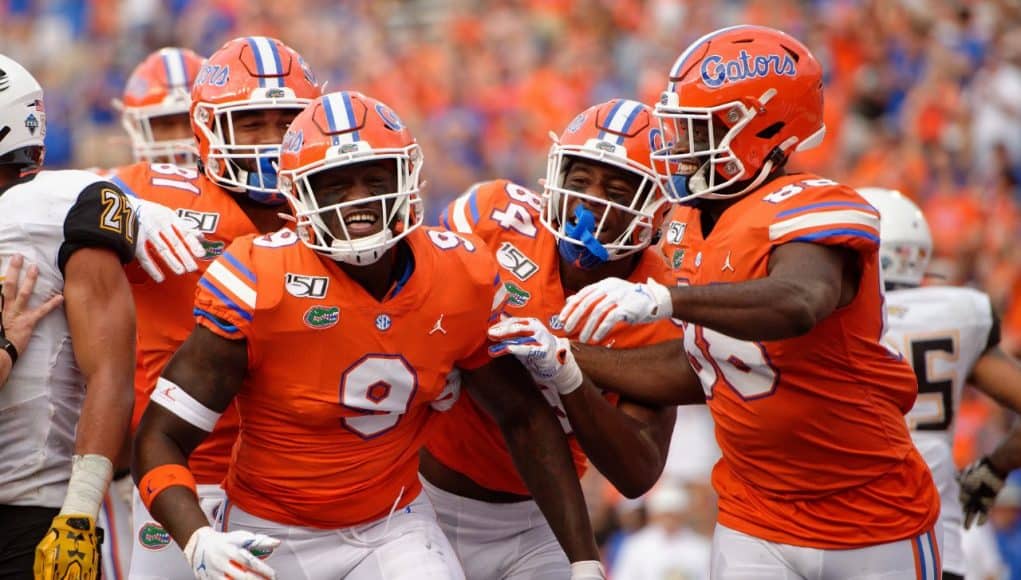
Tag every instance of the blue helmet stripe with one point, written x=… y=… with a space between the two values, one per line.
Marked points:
x=609 y=118
x=349 y=109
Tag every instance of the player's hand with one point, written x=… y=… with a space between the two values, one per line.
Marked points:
x=18 y=319
x=69 y=550
x=174 y=240
x=980 y=482
x=587 y=570
x=547 y=357
x=603 y=304
x=220 y=555
x=450 y=394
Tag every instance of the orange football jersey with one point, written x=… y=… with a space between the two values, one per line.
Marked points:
x=164 y=309
x=506 y=216
x=816 y=451
x=336 y=402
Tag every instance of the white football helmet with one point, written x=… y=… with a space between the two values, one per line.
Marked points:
x=905 y=245
x=22 y=118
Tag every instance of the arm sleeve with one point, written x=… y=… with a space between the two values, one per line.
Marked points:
x=226 y=294
x=101 y=217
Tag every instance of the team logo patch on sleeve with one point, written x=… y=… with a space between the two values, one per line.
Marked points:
x=513 y=259
x=303 y=286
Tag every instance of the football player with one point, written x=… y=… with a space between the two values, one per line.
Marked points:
x=326 y=339
x=950 y=335
x=242 y=100
x=65 y=407
x=154 y=113
x=780 y=290
x=155 y=104
x=601 y=207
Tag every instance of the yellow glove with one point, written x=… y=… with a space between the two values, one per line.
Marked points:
x=69 y=550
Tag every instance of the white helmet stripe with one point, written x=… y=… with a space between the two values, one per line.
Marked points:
x=267 y=59
x=177 y=73
x=621 y=117
x=340 y=117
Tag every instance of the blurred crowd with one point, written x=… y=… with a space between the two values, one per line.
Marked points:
x=922 y=95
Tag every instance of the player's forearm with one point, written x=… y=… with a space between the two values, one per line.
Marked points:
x=177 y=507
x=101 y=319
x=106 y=415
x=543 y=458
x=179 y=511
x=998 y=375
x=764 y=309
x=658 y=374
x=1007 y=455
x=617 y=444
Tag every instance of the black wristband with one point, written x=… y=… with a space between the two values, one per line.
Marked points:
x=8 y=347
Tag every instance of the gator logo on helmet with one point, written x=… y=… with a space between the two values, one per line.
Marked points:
x=717 y=72
x=307 y=71
x=390 y=118
x=576 y=123
x=137 y=86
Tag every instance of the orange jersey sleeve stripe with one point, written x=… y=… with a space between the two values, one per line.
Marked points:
x=224 y=282
x=463 y=212
x=818 y=225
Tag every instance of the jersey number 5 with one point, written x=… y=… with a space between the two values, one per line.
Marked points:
x=934 y=408
x=381 y=387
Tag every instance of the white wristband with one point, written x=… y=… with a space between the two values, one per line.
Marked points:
x=90 y=476
x=664 y=303
x=174 y=399
x=587 y=570
x=569 y=378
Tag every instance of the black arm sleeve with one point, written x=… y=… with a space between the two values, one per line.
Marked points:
x=101 y=217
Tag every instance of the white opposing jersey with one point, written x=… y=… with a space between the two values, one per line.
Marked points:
x=45 y=220
x=942 y=331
